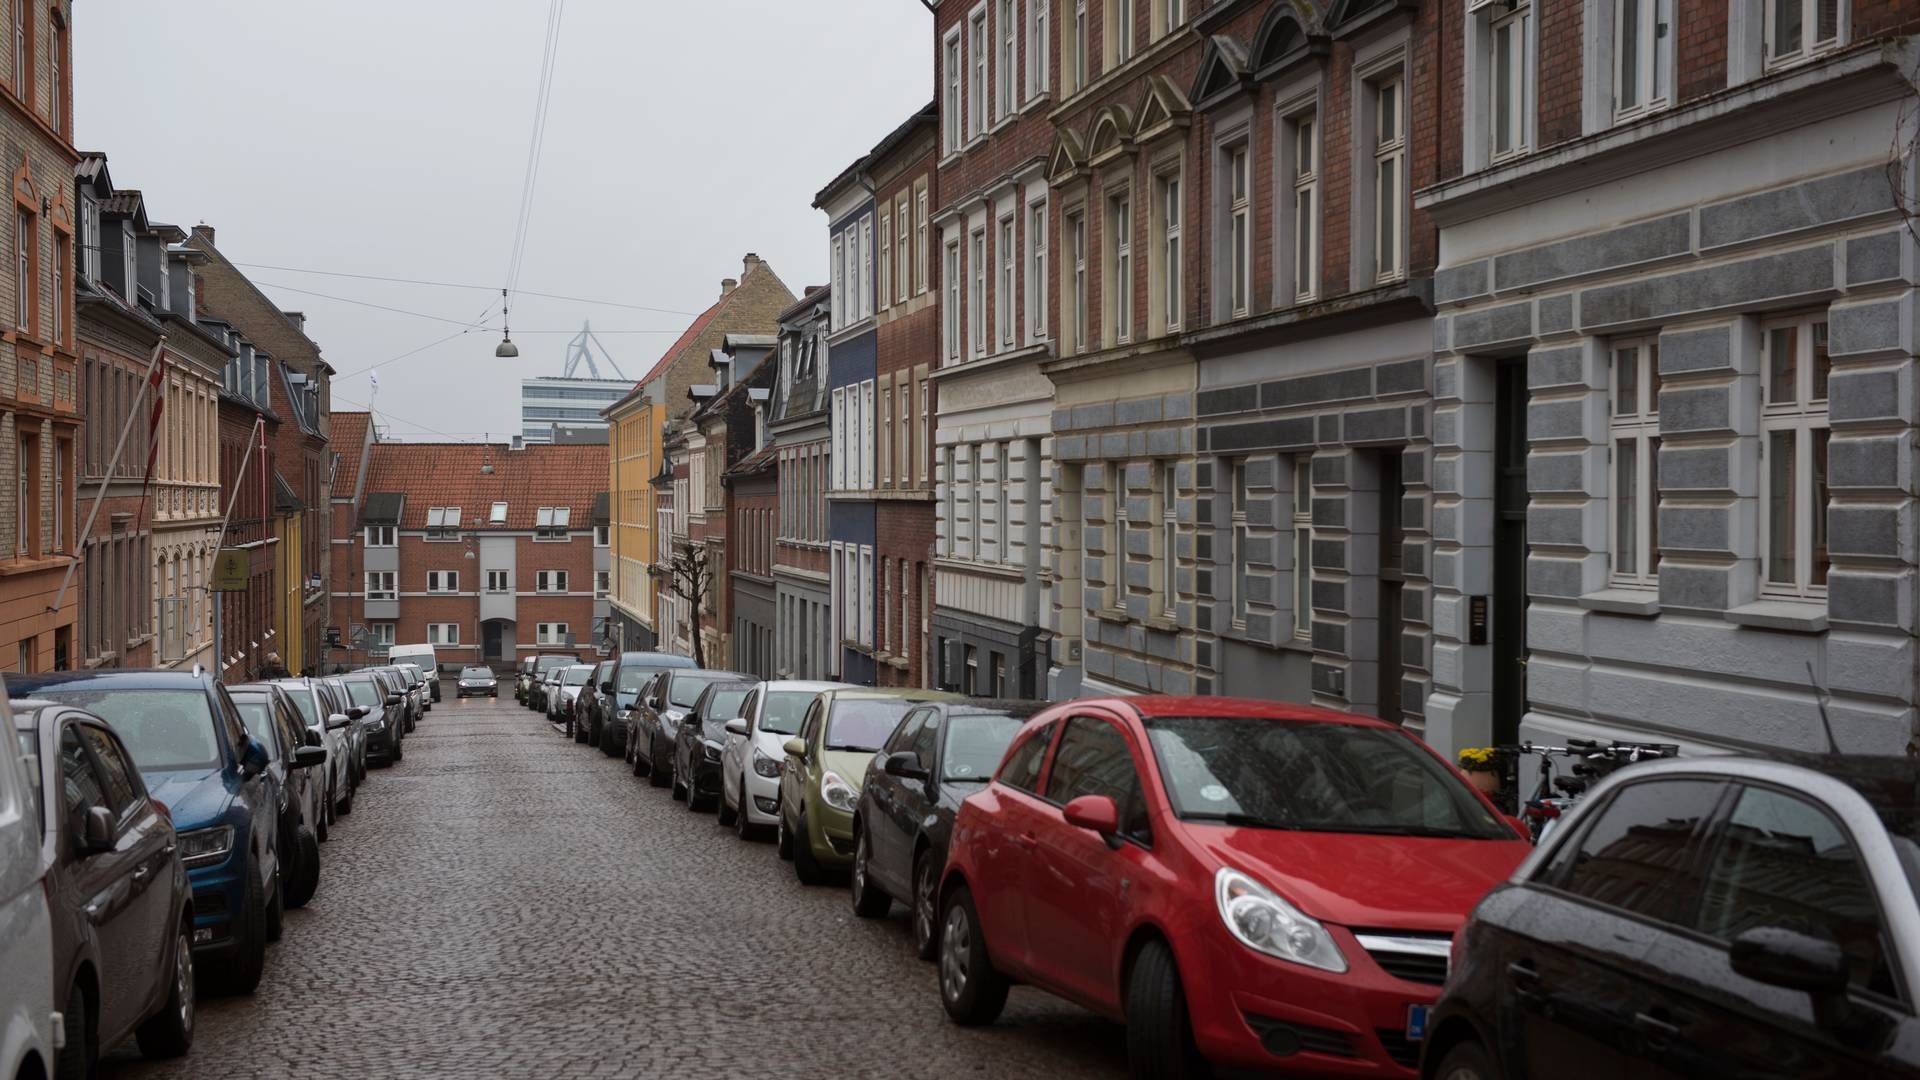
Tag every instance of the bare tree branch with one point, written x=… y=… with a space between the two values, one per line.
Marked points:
x=690 y=577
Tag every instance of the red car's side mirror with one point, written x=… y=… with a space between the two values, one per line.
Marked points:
x=1095 y=812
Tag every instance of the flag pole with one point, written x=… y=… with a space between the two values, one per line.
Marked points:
x=93 y=513
x=219 y=538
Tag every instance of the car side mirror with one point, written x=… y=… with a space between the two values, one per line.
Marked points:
x=795 y=747
x=737 y=727
x=253 y=758
x=96 y=831
x=356 y=712
x=307 y=757
x=393 y=699
x=338 y=721
x=904 y=764
x=606 y=687
x=1787 y=958
x=313 y=737
x=1097 y=813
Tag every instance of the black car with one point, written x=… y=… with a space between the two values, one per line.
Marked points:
x=939 y=754
x=384 y=723
x=116 y=889
x=274 y=722
x=631 y=673
x=586 y=708
x=1719 y=916
x=701 y=738
x=657 y=716
x=522 y=676
x=543 y=667
x=478 y=680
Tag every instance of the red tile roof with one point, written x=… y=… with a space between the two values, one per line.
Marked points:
x=449 y=474
x=349 y=435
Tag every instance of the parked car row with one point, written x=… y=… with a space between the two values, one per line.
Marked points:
x=154 y=828
x=1254 y=885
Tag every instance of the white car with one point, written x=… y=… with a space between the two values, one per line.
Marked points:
x=566 y=684
x=750 y=765
x=329 y=718
x=28 y=1022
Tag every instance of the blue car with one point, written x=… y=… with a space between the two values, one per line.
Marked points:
x=192 y=749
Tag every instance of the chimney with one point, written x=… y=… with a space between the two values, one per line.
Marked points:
x=203 y=229
x=727 y=285
x=750 y=264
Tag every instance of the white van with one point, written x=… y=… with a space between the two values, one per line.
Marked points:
x=27 y=1019
x=422 y=655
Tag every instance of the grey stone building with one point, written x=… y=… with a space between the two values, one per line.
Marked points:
x=799 y=436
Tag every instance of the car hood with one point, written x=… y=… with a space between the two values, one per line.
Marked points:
x=771 y=743
x=569 y=691
x=1384 y=882
x=194 y=797
x=850 y=764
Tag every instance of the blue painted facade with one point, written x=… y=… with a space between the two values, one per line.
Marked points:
x=854 y=347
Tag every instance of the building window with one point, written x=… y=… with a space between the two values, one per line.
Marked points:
x=1389 y=179
x=550 y=581
x=1079 y=48
x=1633 y=446
x=839 y=283
x=1116 y=567
x=28 y=505
x=924 y=425
x=1303 y=547
x=1797 y=29
x=382 y=633
x=443 y=633
x=1173 y=13
x=550 y=633
x=60 y=279
x=1237 y=520
x=951 y=317
x=62 y=497
x=1169 y=539
x=952 y=111
x=380 y=585
x=1006 y=66
x=443 y=581
x=602 y=535
x=380 y=536
x=23 y=266
x=886 y=258
x=1038 y=46
x=550 y=522
x=443 y=523
x=865 y=267
x=1003 y=492
x=1793 y=478
x=1507 y=77
x=977 y=485
x=903 y=249
x=1036 y=271
x=866 y=597
x=1168 y=209
x=1239 y=231
x=497 y=514
x=1119 y=32
x=977 y=73
x=1077 y=303
x=923 y=248
x=977 y=294
x=1004 y=289
x=56 y=102
x=1119 y=283
x=1642 y=55
x=1302 y=133
x=601 y=585
x=950 y=500
x=496 y=581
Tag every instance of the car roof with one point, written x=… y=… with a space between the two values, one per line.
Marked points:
x=657 y=659
x=718 y=673
x=1018 y=708
x=30 y=685
x=895 y=693
x=1155 y=705
x=814 y=685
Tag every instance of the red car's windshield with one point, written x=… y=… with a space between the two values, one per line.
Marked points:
x=1313 y=777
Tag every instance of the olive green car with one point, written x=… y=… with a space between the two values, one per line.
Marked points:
x=824 y=767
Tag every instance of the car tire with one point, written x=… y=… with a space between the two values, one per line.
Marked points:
x=277 y=905
x=169 y=1032
x=870 y=901
x=346 y=804
x=1466 y=1061
x=783 y=837
x=971 y=989
x=805 y=866
x=249 y=959
x=399 y=751
x=306 y=880
x=1159 y=1032
x=324 y=824
x=721 y=812
x=926 y=874
x=76 y=1061
x=743 y=826
x=659 y=773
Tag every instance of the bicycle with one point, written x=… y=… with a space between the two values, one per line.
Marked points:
x=1591 y=761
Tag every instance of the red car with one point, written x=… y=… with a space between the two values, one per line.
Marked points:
x=1243 y=883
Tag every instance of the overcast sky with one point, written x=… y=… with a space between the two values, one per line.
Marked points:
x=389 y=137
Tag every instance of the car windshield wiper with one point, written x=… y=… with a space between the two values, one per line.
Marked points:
x=1399 y=830
x=1242 y=821
x=855 y=749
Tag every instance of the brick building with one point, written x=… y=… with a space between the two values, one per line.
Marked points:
x=484 y=551
x=348 y=453
x=907 y=336
x=637 y=423
x=246 y=434
x=806 y=647
x=40 y=417
x=729 y=429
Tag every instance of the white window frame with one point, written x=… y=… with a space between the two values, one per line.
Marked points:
x=1006 y=288
x=602 y=536
x=1302 y=130
x=953 y=104
x=1078 y=52
x=1809 y=21
x=382 y=633
x=1006 y=64
x=443 y=581
x=382 y=585
x=1119 y=24
x=443 y=633
x=1003 y=503
x=922 y=233
x=1170 y=212
x=1238 y=563
x=839 y=281
x=1804 y=420
x=1169 y=537
x=1038 y=47
x=382 y=536
x=978 y=78
x=550 y=633
x=1036 y=290
x=977 y=293
x=884 y=278
x=1302 y=515
x=866 y=597
x=602 y=584
x=1508 y=78
x=1651 y=76
x=1119 y=282
x=903 y=248
x=865 y=266
x=497 y=514
x=1239 y=231
x=550 y=581
x=1117 y=534
x=1079 y=318
x=951 y=318
x=499 y=581
x=1389 y=177
x=1633 y=444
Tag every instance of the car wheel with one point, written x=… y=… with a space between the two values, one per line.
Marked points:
x=722 y=811
x=77 y=1059
x=743 y=826
x=169 y=1032
x=307 y=877
x=659 y=771
x=324 y=822
x=970 y=988
x=398 y=754
x=249 y=959
x=346 y=804
x=925 y=942
x=1466 y=1061
x=277 y=905
x=1159 y=1034
x=870 y=901
x=783 y=838
x=805 y=866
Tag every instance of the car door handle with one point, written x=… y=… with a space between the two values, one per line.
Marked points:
x=1026 y=840
x=1657 y=1032
x=141 y=872
x=170 y=848
x=1526 y=982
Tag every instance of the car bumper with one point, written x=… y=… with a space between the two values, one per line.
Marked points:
x=219 y=893
x=380 y=743
x=763 y=798
x=706 y=778
x=1254 y=1011
x=477 y=691
x=615 y=729
x=830 y=832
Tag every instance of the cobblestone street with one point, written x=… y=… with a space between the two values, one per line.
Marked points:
x=506 y=903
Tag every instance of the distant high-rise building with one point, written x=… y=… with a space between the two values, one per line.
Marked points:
x=573 y=403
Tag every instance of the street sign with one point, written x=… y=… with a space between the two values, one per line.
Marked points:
x=230 y=570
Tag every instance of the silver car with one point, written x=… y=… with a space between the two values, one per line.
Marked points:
x=477 y=680
x=565 y=685
x=332 y=721
x=750 y=764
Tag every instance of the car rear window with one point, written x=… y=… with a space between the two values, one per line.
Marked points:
x=164 y=730
x=975 y=744
x=258 y=714
x=363 y=692
x=686 y=686
x=303 y=700
x=576 y=676
x=864 y=723
x=725 y=704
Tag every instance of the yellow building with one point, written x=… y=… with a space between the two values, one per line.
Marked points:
x=749 y=305
x=289 y=579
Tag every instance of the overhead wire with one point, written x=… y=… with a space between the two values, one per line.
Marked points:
x=536 y=141
x=441 y=318
x=465 y=285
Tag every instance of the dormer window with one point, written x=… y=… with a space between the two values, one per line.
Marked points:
x=550 y=522
x=443 y=523
x=497 y=514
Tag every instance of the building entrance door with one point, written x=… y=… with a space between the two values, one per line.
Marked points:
x=1510 y=552
x=491 y=633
